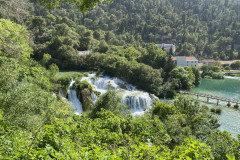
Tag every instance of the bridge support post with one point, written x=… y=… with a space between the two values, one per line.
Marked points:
x=218 y=102
x=207 y=99
x=197 y=96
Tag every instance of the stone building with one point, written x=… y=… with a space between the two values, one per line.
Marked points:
x=185 y=61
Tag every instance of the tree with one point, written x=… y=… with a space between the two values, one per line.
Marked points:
x=192 y=149
x=102 y=47
x=132 y=54
x=53 y=68
x=154 y=56
x=83 y=5
x=109 y=101
x=197 y=75
x=15 y=10
x=181 y=78
x=187 y=49
x=221 y=143
x=14 y=40
x=38 y=24
x=46 y=58
x=235 y=65
x=216 y=67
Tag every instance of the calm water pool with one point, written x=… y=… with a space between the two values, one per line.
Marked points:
x=228 y=88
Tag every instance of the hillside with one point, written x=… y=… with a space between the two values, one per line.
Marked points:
x=37 y=120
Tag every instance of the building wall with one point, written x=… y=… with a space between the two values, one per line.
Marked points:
x=192 y=63
x=181 y=61
x=167 y=46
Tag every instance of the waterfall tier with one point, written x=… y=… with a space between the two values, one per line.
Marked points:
x=72 y=97
x=137 y=100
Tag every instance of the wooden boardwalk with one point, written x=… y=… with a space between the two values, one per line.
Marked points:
x=210 y=97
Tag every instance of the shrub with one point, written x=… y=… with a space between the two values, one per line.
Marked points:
x=208 y=77
x=218 y=110
x=229 y=104
x=79 y=85
x=213 y=110
x=236 y=106
x=227 y=68
x=217 y=75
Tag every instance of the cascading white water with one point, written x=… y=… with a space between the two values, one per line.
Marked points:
x=61 y=93
x=72 y=97
x=94 y=97
x=137 y=100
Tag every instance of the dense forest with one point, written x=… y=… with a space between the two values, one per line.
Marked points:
x=206 y=28
x=37 y=123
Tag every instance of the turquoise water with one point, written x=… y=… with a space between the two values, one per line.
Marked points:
x=228 y=88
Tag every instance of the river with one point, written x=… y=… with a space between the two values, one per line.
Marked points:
x=228 y=88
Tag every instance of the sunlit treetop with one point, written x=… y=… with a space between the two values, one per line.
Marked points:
x=83 y=5
x=14 y=40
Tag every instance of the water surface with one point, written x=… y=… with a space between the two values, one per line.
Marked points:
x=228 y=88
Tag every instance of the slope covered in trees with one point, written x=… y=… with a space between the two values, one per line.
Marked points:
x=37 y=124
x=57 y=38
x=207 y=28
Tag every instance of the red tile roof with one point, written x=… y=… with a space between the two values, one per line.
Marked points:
x=187 y=58
x=191 y=58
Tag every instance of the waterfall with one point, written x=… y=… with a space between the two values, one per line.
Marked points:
x=94 y=97
x=72 y=97
x=61 y=93
x=137 y=100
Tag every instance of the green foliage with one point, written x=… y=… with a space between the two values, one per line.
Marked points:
x=213 y=110
x=46 y=58
x=109 y=101
x=213 y=71
x=35 y=124
x=132 y=54
x=181 y=78
x=53 y=69
x=102 y=47
x=221 y=143
x=228 y=68
x=163 y=110
x=14 y=40
x=79 y=85
x=187 y=49
x=236 y=106
x=218 y=110
x=214 y=36
x=83 y=5
x=154 y=56
x=192 y=149
x=229 y=104
x=235 y=65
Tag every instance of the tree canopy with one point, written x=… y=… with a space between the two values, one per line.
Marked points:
x=83 y=5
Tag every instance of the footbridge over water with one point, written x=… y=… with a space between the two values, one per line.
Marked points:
x=210 y=97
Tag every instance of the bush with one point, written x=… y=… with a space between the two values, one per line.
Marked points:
x=229 y=104
x=217 y=75
x=218 y=110
x=213 y=110
x=227 y=68
x=236 y=106
x=208 y=77
x=235 y=65
x=79 y=85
